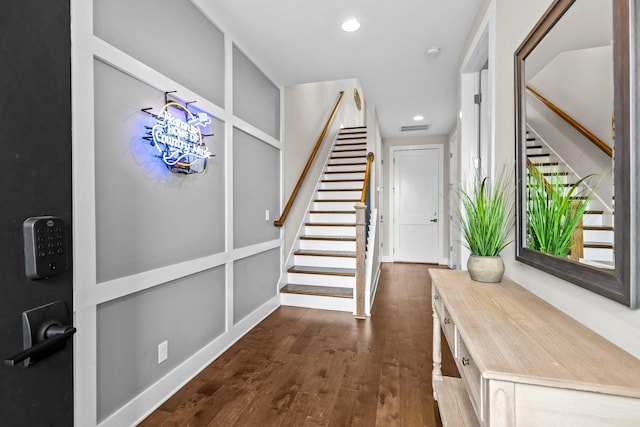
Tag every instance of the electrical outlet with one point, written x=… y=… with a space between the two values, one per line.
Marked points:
x=163 y=351
x=266 y=215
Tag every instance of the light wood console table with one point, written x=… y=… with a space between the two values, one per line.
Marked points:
x=523 y=362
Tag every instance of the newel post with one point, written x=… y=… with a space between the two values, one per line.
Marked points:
x=360 y=254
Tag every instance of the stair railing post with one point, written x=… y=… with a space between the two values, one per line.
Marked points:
x=360 y=255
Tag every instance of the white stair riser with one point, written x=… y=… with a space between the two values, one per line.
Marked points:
x=531 y=150
x=317 y=302
x=356 y=185
x=598 y=236
x=358 y=155
x=334 y=206
x=564 y=179
x=592 y=219
x=324 y=261
x=598 y=254
x=540 y=159
x=356 y=145
x=359 y=163
x=345 y=175
x=328 y=245
x=322 y=230
x=349 y=195
x=321 y=280
x=322 y=218
x=549 y=168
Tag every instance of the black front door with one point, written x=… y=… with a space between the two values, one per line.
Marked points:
x=35 y=180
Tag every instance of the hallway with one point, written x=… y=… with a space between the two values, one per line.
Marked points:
x=303 y=367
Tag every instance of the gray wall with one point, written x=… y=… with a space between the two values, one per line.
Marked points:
x=172 y=37
x=256 y=178
x=188 y=313
x=255 y=98
x=146 y=216
x=255 y=278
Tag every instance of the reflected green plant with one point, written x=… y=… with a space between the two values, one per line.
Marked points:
x=554 y=210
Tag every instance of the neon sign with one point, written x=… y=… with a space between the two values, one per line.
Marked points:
x=179 y=141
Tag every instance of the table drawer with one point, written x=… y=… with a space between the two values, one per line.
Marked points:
x=449 y=331
x=471 y=375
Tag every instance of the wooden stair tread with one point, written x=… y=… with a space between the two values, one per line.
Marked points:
x=597 y=227
x=325 y=291
x=538 y=155
x=339 y=189
x=337 y=200
x=348 y=164
x=597 y=245
x=348 y=171
x=349 y=144
x=329 y=224
x=349 y=157
x=546 y=164
x=349 y=150
x=330 y=238
x=342 y=180
x=328 y=271
x=312 y=252
x=594 y=212
x=533 y=147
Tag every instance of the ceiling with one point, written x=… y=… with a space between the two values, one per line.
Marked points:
x=300 y=41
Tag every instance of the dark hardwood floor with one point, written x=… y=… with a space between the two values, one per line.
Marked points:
x=303 y=367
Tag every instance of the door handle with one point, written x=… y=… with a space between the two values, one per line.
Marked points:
x=56 y=335
x=45 y=330
x=434 y=220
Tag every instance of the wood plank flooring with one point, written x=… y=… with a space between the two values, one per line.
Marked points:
x=303 y=367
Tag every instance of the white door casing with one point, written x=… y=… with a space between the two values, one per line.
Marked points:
x=417 y=203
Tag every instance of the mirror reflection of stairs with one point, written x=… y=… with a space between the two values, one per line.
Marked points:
x=597 y=221
x=323 y=265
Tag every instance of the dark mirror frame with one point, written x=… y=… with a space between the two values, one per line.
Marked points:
x=619 y=284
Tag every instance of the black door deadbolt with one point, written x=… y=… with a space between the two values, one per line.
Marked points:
x=45 y=330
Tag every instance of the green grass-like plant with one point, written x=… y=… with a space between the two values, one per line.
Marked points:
x=553 y=211
x=485 y=214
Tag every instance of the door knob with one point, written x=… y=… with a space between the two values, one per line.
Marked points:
x=434 y=220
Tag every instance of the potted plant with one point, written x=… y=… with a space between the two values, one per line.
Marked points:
x=485 y=219
x=554 y=210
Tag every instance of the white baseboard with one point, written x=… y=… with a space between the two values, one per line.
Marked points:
x=386 y=258
x=138 y=408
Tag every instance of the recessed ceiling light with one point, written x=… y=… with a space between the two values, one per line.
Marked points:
x=432 y=52
x=418 y=118
x=350 y=25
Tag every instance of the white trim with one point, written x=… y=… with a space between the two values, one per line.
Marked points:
x=151 y=398
x=439 y=147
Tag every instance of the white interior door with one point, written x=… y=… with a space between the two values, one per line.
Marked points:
x=416 y=228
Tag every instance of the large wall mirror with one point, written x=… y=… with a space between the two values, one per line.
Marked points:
x=574 y=148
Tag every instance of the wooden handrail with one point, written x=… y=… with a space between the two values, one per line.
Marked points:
x=279 y=222
x=574 y=123
x=367 y=172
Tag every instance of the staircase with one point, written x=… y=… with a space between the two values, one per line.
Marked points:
x=322 y=268
x=597 y=220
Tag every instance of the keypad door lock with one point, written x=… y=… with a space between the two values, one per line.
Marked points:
x=45 y=246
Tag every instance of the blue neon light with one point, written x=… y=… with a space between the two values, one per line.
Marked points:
x=178 y=141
